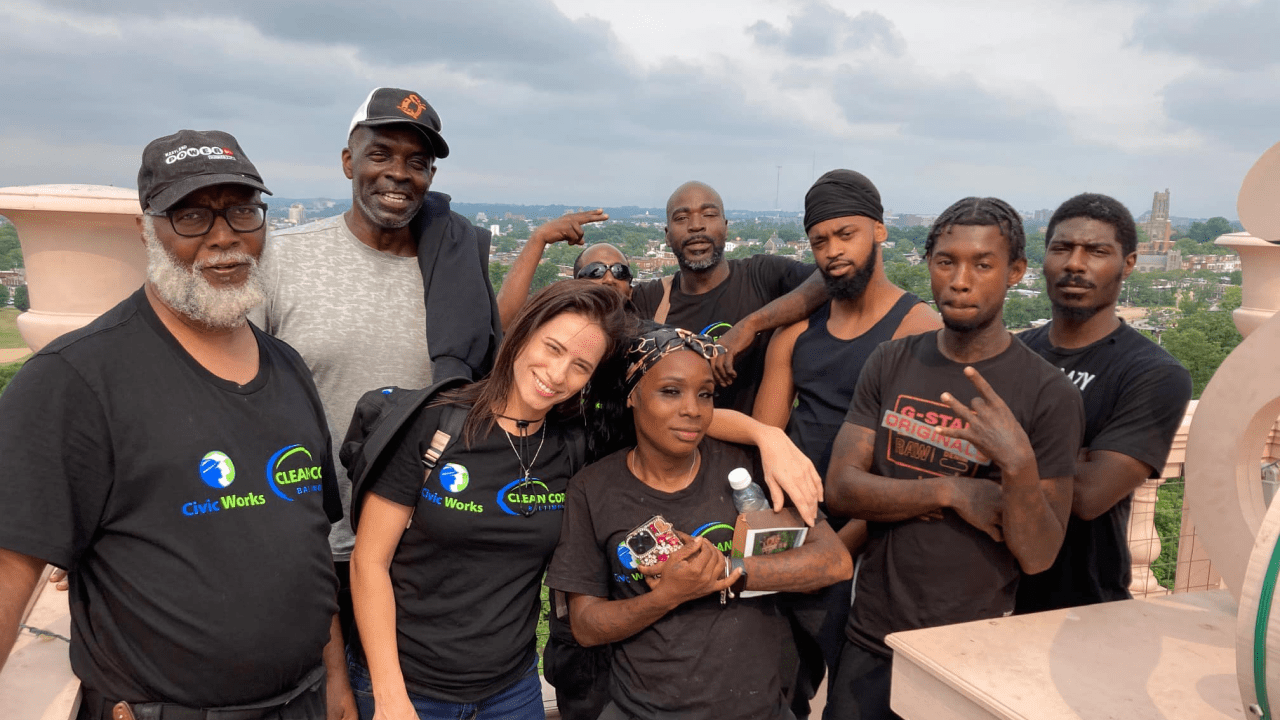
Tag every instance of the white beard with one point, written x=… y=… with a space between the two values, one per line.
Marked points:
x=186 y=290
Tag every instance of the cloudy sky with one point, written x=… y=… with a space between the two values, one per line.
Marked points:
x=612 y=102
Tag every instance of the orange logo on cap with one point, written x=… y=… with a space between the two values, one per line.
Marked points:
x=412 y=106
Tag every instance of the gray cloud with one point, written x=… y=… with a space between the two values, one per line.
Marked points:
x=954 y=108
x=819 y=30
x=1239 y=36
x=1237 y=109
x=529 y=42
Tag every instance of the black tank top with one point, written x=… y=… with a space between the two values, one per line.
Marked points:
x=825 y=371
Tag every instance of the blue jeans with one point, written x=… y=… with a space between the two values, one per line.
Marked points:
x=522 y=700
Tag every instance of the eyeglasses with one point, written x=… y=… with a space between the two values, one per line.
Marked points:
x=596 y=270
x=196 y=221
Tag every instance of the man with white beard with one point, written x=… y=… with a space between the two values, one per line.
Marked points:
x=175 y=460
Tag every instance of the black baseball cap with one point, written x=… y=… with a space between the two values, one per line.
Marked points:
x=177 y=165
x=389 y=106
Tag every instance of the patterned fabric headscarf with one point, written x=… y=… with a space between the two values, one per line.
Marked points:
x=645 y=351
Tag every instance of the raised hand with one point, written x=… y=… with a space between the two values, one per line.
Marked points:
x=567 y=227
x=990 y=426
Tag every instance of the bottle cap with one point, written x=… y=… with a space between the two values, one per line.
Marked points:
x=739 y=478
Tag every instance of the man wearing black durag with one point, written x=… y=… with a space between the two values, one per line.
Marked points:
x=813 y=366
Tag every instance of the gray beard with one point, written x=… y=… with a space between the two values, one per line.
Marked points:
x=188 y=293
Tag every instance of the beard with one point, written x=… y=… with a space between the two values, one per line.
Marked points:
x=1079 y=313
x=187 y=292
x=853 y=285
x=696 y=266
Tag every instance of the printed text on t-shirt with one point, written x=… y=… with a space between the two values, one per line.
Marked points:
x=914 y=440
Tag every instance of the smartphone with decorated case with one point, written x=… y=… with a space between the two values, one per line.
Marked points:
x=649 y=544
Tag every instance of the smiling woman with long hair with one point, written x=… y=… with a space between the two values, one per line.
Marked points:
x=446 y=574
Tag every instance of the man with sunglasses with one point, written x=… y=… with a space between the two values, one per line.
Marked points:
x=175 y=460
x=605 y=264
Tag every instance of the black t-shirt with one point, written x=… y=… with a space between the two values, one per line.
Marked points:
x=752 y=283
x=924 y=573
x=467 y=573
x=187 y=508
x=1135 y=394
x=825 y=370
x=703 y=659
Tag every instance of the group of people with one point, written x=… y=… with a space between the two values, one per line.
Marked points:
x=325 y=474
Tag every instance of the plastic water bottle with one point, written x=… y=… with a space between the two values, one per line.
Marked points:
x=747 y=496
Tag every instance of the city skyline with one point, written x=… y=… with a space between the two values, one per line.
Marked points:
x=604 y=105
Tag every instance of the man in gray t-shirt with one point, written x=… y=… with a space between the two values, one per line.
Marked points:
x=347 y=292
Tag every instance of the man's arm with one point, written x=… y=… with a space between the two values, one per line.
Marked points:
x=777 y=389
x=338 y=698
x=790 y=308
x=20 y=573
x=1034 y=509
x=1104 y=478
x=515 y=286
x=853 y=491
x=1134 y=440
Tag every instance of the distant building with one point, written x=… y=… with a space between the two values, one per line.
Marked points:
x=1157 y=227
x=1217 y=263
x=297 y=214
x=13 y=278
x=1150 y=262
x=495 y=230
x=481 y=218
x=907 y=220
x=1042 y=216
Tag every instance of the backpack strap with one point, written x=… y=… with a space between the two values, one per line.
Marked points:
x=451 y=419
x=664 y=307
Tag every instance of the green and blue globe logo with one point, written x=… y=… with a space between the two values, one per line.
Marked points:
x=217 y=470
x=454 y=478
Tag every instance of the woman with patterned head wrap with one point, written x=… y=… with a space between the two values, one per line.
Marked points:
x=682 y=647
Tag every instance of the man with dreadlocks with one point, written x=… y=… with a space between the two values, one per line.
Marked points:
x=958 y=450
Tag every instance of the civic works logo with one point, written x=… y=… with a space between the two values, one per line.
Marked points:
x=217 y=471
x=184 y=152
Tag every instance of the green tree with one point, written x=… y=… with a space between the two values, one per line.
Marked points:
x=1020 y=310
x=1035 y=248
x=20 y=299
x=912 y=278
x=497 y=273
x=4 y=295
x=519 y=230
x=544 y=275
x=505 y=243
x=10 y=249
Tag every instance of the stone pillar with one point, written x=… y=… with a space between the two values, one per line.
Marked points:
x=82 y=251
x=1144 y=540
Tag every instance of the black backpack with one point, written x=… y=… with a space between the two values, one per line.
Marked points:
x=379 y=417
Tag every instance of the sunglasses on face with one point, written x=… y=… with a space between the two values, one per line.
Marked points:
x=596 y=270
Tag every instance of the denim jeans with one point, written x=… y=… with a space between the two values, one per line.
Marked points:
x=522 y=700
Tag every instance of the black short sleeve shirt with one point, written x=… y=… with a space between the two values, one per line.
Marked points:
x=924 y=573
x=1135 y=395
x=187 y=508
x=752 y=283
x=703 y=659
x=467 y=573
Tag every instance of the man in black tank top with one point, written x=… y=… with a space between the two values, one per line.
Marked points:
x=812 y=367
